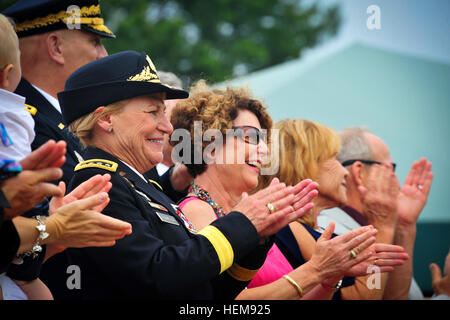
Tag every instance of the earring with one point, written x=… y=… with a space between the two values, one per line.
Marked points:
x=109 y=129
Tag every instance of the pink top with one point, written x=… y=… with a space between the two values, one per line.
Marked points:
x=275 y=266
x=185 y=201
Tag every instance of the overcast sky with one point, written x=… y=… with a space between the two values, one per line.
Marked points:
x=418 y=27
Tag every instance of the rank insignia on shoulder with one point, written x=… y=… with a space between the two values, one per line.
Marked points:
x=97 y=163
x=61 y=126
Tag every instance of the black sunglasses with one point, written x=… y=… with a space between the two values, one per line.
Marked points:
x=368 y=162
x=249 y=134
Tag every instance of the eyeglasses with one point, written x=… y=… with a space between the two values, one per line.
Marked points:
x=368 y=162
x=249 y=134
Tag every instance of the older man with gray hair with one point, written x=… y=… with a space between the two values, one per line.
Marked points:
x=363 y=154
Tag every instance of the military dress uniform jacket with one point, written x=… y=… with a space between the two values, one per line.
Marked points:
x=49 y=124
x=163 y=258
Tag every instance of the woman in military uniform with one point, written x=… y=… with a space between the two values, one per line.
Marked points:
x=115 y=106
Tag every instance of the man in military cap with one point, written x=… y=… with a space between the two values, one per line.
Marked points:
x=56 y=38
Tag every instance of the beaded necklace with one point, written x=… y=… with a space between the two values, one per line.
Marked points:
x=204 y=195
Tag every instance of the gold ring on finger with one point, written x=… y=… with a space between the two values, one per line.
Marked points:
x=353 y=253
x=270 y=207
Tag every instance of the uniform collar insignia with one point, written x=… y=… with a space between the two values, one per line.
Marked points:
x=97 y=163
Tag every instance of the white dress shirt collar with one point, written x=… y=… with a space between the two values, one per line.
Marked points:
x=50 y=98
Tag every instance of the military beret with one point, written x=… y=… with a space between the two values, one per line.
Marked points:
x=39 y=16
x=117 y=77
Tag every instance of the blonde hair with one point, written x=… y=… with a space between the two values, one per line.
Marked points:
x=83 y=127
x=303 y=145
x=9 y=48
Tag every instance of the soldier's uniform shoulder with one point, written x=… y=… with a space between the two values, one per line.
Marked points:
x=89 y=168
x=102 y=164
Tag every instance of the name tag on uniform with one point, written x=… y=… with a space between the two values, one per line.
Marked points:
x=167 y=218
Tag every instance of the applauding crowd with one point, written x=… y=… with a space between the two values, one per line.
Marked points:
x=116 y=183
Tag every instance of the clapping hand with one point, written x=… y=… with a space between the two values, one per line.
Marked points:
x=94 y=185
x=386 y=257
x=379 y=197
x=439 y=282
x=277 y=205
x=99 y=229
x=333 y=257
x=30 y=187
x=77 y=225
x=414 y=192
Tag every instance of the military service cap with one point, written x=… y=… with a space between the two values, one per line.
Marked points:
x=39 y=16
x=117 y=77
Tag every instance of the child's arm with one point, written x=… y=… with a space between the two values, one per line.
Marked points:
x=35 y=289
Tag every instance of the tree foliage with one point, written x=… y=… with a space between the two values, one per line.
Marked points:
x=217 y=39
